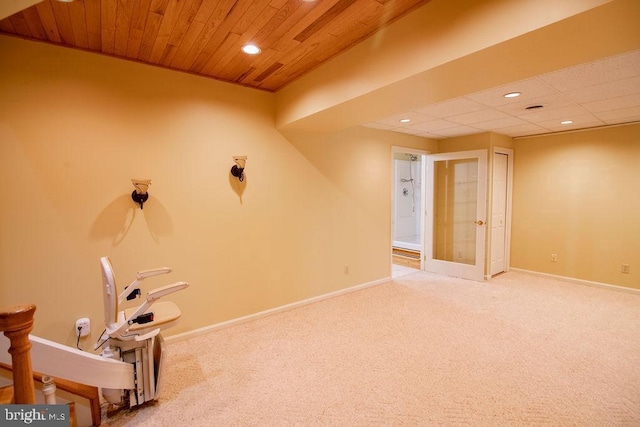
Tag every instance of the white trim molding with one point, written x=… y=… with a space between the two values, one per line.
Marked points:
x=271 y=311
x=580 y=281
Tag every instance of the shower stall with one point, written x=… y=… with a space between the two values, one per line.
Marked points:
x=407 y=201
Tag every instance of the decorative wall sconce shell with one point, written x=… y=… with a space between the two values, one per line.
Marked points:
x=237 y=170
x=140 y=194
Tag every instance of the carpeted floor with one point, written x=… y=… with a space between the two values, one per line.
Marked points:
x=420 y=350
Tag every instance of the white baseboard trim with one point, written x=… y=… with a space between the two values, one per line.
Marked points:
x=269 y=312
x=579 y=281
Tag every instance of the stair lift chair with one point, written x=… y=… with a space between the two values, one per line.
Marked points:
x=133 y=335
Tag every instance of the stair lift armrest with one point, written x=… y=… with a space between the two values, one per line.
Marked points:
x=140 y=310
x=158 y=293
x=152 y=297
x=121 y=333
x=140 y=276
x=118 y=330
x=150 y=273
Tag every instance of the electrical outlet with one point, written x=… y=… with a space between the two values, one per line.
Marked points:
x=624 y=269
x=84 y=325
x=554 y=257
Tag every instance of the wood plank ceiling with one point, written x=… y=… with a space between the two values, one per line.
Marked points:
x=205 y=37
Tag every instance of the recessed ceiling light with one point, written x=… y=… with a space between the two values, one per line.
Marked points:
x=65 y=1
x=251 y=49
x=566 y=122
x=405 y=120
x=534 y=107
x=512 y=94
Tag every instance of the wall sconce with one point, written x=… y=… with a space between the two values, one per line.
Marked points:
x=237 y=170
x=140 y=194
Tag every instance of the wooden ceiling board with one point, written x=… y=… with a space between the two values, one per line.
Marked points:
x=205 y=37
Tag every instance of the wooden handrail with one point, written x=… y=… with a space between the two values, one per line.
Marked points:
x=17 y=322
x=88 y=392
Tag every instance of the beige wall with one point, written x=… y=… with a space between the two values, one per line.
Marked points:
x=576 y=195
x=76 y=127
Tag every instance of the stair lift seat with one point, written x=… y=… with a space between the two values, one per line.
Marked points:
x=133 y=334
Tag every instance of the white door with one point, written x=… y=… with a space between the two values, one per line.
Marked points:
x=455 y=224
x=499 y=214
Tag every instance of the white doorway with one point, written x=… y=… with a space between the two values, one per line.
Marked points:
x=407 y=216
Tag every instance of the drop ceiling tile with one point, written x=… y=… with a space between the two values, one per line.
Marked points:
x=429 y=135
x=495 y=125
x=529 y=89
x=615 y=68
x=457 y=131
x=605 y=90
x=523 y=130
x=453 y=107
x=479 y=116
x=549 y=101
x=548 y=114
x=624 y=115
x=621 y=102
x=433 y=125
x=579 y=122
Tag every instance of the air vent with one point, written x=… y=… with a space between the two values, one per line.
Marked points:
x=534 y=107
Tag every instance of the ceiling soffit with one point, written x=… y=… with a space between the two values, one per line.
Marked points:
x=555 y=47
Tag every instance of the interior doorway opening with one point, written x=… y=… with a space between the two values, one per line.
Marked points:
x=408 y=207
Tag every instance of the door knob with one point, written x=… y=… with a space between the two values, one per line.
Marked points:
x=478 y=222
